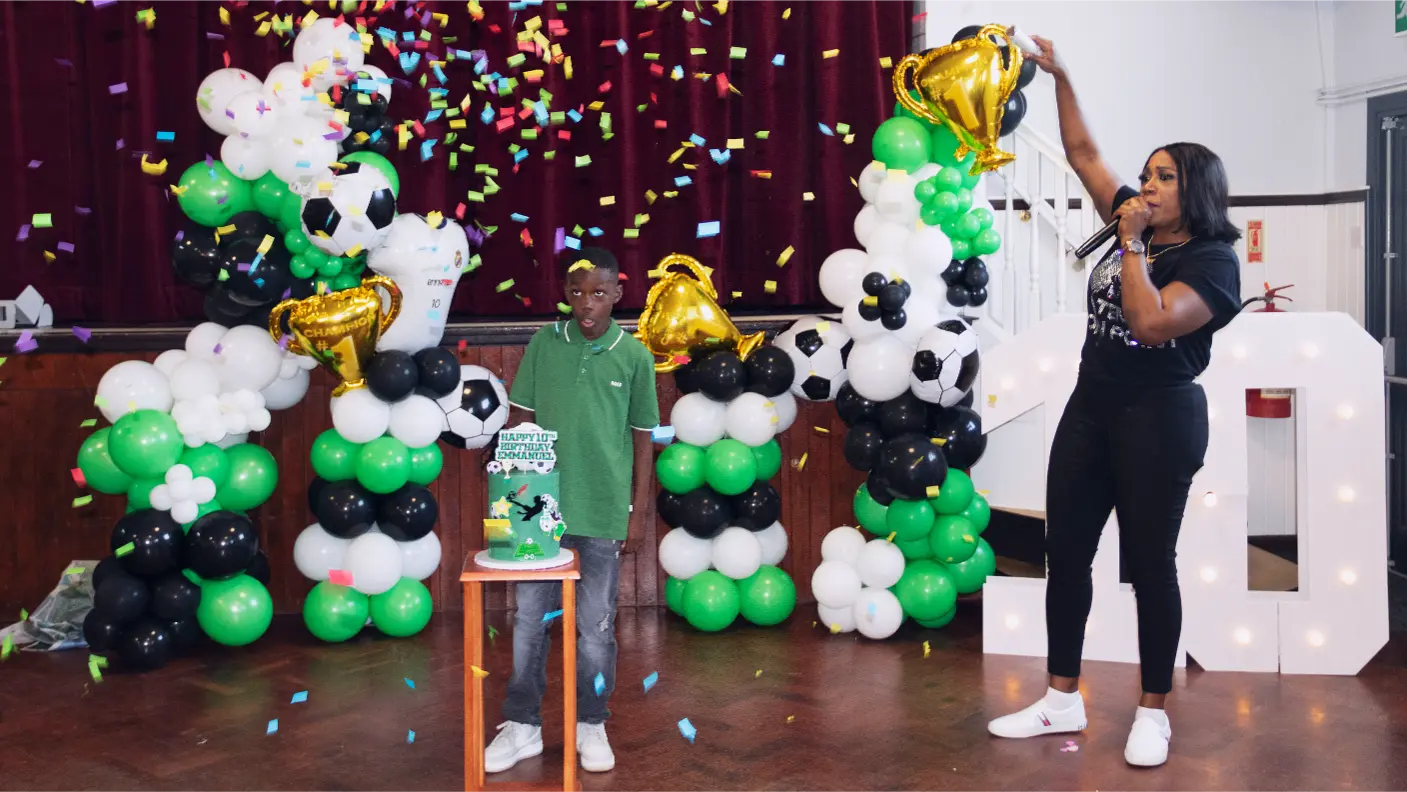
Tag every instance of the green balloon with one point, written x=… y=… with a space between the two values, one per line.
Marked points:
x=680 y=468
x=977 y=512
x=729 y=467
x=872 y=516
x=201 y=510
x=402 y=611
x=208 y=460
x=346 y=281
x=965 y=227
x=954 y=493
x=380 y=163
x=987 y=242
x=331 y=267
x=970 y=179
x=145 y=443
x=253 y=476
x=948 y=180
x=674 y=594
x=334 y=457
x=269 y=193
x=984 y=216
x=901 y=144
x=211 y=195
x=930 y=214
x=335 y=613
x=944 y=145
x=961 y=249
x=769 y=459
x=965 y=204
x=953 y=539
x=767 y=597
x=292 y=211
x=296 y=241
x=139 y=494
x=926 y=590
x=941 y=621
x=711 y=601
x=383 y=465
x=425 y=464
x=901 y=110
x=95 y=462
x=944 y=205
x=918 y=548
x=969 y=575
x=315 y=258
x=234 y=612
x=909 y=519
x=925 y=190
x=355 y=265
x=300 y=268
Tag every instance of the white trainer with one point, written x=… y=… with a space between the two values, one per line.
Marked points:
x=1041 y=718
x=593 y=748
x=514 y=743
x=1148 y=741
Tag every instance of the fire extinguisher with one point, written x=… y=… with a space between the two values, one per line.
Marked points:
x=1268 y=402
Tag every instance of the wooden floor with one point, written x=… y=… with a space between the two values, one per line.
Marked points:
x=867 y=715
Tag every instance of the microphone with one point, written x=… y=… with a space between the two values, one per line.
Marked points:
x=1100 y=237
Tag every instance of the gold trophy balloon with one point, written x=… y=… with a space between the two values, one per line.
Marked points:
x=339 y=330
x=682 y=317
x=964 y=87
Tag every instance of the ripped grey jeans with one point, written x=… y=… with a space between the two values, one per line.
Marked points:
x=596 y=634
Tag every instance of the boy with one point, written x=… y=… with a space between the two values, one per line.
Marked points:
x=594 y=385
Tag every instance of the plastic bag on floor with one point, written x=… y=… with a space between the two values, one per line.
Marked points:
x=58 y=621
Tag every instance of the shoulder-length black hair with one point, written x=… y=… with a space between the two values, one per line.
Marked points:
x=1202 y=191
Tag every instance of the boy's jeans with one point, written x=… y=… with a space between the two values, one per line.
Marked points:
x=596 y=634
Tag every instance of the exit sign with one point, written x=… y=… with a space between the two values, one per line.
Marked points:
x=1400 y=20
x=1255 y=241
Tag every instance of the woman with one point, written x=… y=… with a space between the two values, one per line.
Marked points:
x=1135 y=428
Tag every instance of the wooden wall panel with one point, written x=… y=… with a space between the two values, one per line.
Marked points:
x=45 y=397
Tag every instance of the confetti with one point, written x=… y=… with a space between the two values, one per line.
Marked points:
x=24 y=615
x=478 y=672
x=662 y=434
x=600 y=683
x=272 y=728
x=769 y=286
x=117 y=88
x=737 y=53
x=808 y=196
x=153 y=168
x=82 y=333
x=78 y=477
x=825 y=130
x=95 y=663
x=35 y=164
x=886 y=62
x=43 y=221
x=87 y=499
x=651 y=680
x=547 y=617
x=830 y=53
x=410 y=735
x=165 y=137
x=410 y=683
x=801 y=463
x=926 y=649
x=779 y=60
x=890 y=537
x=687 y=729
x=821 y=430
x=708 y=229
x=299 y=697
x=75 y=570
x=123 y=550
x=339 y=577
x=785 y=256
x=7 y=647
x=758 y=675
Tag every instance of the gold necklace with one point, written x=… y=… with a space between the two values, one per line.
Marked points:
x=1150 y=257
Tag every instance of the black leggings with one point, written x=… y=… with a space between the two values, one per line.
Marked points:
x=1133 y=451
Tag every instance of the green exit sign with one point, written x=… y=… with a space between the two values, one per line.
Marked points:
x=1400 y=17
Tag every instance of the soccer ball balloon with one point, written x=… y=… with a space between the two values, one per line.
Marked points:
x=946 y=363
x=819 y=349
x=476 y=410
x=350 y=211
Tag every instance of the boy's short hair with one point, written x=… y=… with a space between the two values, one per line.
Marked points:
x=598 y=258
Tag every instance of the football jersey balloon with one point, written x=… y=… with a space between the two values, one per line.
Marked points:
x=425 y=261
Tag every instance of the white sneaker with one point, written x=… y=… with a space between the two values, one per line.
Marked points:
x=593 y=748
x=1041 y=718
x=1148 y=740
x=514 y=743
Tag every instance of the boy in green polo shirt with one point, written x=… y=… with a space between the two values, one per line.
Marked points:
x=594 y=385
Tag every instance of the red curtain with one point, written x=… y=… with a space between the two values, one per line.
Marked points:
x=88 y=89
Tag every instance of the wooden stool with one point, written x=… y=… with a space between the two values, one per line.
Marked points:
x=474 y=577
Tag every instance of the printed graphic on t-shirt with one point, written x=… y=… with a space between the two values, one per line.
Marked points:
x=1106 y=314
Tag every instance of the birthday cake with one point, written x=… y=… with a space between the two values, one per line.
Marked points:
x=524 y=525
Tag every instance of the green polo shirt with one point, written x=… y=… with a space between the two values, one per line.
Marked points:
x=593 y=394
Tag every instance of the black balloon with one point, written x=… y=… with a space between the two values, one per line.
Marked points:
x=1014 y=112
x=439 y=370
x=379 y=140
x=221 y=307
x=262 y=283
x=221 y=544
x=870 y=311
x=195 y=257
x=910 y=465
x=770 y=371
x=854 y=408
x=121 y=598
x=961 y=430
x=1028 y=73
x=976 y=297
x=706 y=513
x=408 y=513
x=145 y=645
x=862 y=444
x=315 y=492
x=958 y=295
x=670 y=507
x=104 y=569
x=968 y=32
x=392 y=375
x=251 y=226
x=874 y=283
x=345 y=508
x=975 y=273
x=894 y=320
x=904 y=414
x=686 y=377
x=879 y=489
x=721 y=376
x=175 y=597
x=954 y=273
x=156 y=539
x=891 y=297
x=966 y=400
x=100 y=632
x=259 y=568
x=757 y=507
x=184 y=633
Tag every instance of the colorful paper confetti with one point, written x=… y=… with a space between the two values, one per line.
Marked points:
x=651 y=680
x=299 y=697
x=687 y=729
x=600 y=683
x=547 y=617
x=410 y=683
x=272 y=728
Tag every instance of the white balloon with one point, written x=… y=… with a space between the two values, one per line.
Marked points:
x=921 y=316
x=751 y=419
x=193 y=379
x=785 y=405
x=928 y=171
x=375 y=563
x=425 y=263
x=843 y=545
x=203 y=489
x=360 y=417
x=891 y=266
x=203 y=338
x=133 y=385
x=231 y=440
x=216 y=91
x=167 y=361
x=880 y=564
x=160 y=497
x=416 y=421
x=235 y=422
x=870 y=179
x=879 y=367
x=253 y=116
x=179 y=474
x=285 y=392
x=736 y=552
x=894 y=200
x=331 y=48
x=259 y=419
x=878 y=613
x=284 y=89
x=927 y=251
x=383 y=84
x=420 y=558
x=699 y=420
x=249 y=359
x=683 y=555
x=184 y=511
x=247 y=158
x=317 y=552
x=842 y=276
x=837 y=620
x=888 y=239
x=834 y=584
x=865 y=222
x=774 y=542
x=858 y=327
x=297 y=150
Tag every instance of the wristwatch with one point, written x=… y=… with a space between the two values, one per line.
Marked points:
x=1135 y=247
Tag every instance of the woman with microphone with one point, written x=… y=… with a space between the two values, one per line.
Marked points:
x=1135 y=429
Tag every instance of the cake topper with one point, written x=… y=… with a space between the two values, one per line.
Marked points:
x=526 y=447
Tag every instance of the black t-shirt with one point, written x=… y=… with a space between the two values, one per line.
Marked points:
x=1112 y=355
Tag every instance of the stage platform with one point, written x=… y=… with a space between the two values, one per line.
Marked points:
x=826 y=712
